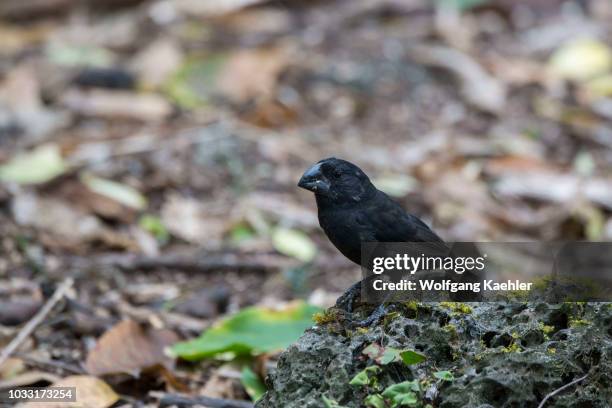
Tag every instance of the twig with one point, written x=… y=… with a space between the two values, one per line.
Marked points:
x=36 y=320
x=50 y=363
x=178 y=400
x=193 y=262
x=560 y=389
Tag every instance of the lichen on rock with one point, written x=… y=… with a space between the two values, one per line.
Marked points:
x=498 y=355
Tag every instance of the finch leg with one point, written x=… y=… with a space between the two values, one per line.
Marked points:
x=378 y=313
x=348 y=298
x=372 y=319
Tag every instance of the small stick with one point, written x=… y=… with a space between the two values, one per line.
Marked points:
x=50 y=363
x=196 y=262
x=560 y=389
x=166 y=400
x=36 y=320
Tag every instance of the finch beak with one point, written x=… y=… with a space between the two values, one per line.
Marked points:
x=314 y=180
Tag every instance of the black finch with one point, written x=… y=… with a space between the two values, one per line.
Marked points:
x=351 y=210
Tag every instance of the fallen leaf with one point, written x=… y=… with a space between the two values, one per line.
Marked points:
x=14 y=38
x=188 y=219
x=462 y=4
x=39 y=165
x=79 y=55
x=19 y=301
x=375 y=401
x=117 y=104
x=599 y=87
x=17 y=311
x=382 y=355
x=212 y=8
x=238 y=77
x=365 y=376
x=20 y=98
x=54 y=215
x=11 y=368
x=193 y=84
x=402 y=394
x=121 y=193
x=581 y=59
x=91 y=392
x=220 y=385
x=478 y=87
x=444 y=375
x=395 y=185
x=410 y=357
x=129 y=348
x=157 y=62
x=560 y=188
x=258 y=21
x=250 y=74
x=252 y=384
x=28 y=378
x=294 y=243
x=253 y=330
x=517 y=164
x=330 y=403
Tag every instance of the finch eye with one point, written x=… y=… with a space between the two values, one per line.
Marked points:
x=336 y=174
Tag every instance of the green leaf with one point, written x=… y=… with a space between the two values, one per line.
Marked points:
x=70 y=55
x=581 y=59
x=330 y=403
x=364 y=376
x=39 y=165
x=390 y=355
x=241 y=233
x=444 y=375
x=252 y=384
x=403 y=394
x=462 y=4
x=126 y=195
x=374 y=401
x=386 y=355
x=294 y=243
x=194 y=83
x=155 y=226
x=253 y=330
x=410 y=357
x=373 y=351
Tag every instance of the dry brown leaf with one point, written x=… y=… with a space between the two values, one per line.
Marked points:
x=212 y=8
x=54 y=215
x=513 y=164
x=28 y=378
x=92 y=202
x=117 y=104
x=91 y=392
x=11 y=368
x=157 y=62
x=19 y=301
x=20 y=94
x=14 y=38
x=129 y=348
x=479 y=88
x=258 y=21
x=252 y=73
x=188 y=219
x=559 y=188
x=271 y=114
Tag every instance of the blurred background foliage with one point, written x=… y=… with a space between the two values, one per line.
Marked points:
x=151 y=149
